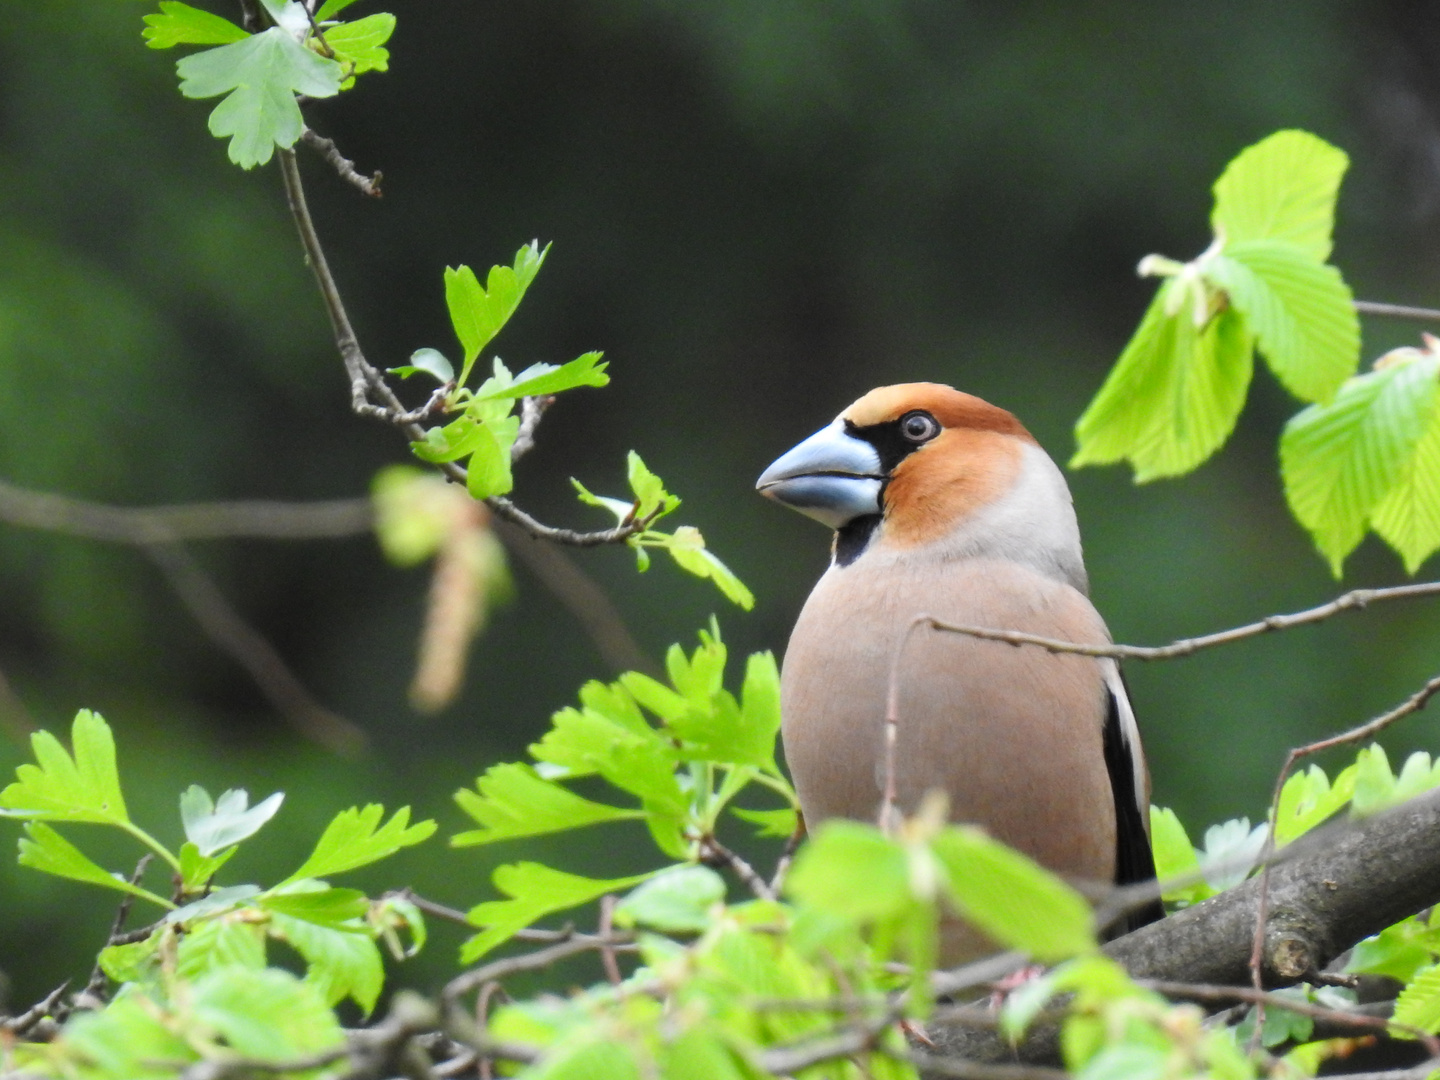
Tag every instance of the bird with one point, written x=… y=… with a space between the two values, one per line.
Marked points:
x=945 y=505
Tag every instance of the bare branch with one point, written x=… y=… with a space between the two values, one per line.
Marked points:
x=247 y=647
x=1397 y=311
x=716 y=853
x=532 y=961
x=531 y=410
x=1351 y=601
x=326 y=147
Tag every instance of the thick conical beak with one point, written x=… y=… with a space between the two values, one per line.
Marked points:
x=832 y=477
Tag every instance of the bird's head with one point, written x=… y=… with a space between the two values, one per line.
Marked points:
x=922 y=465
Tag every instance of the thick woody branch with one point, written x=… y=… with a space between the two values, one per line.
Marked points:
x=1354 y=881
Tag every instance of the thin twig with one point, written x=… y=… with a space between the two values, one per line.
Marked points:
x=888 y=811
x=607 y=952
x=713 y=851
x=255 y=519
x=1351 y=601
x=1413 y=704
x=532 y=961
x=787 y=856
x=532 y=409
x=98 y=979
x=1397 y=311
x=247 y=647
x=1207 y=992
x=22 y=1025
x=366 y=380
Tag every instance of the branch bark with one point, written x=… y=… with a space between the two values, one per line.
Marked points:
x=1353 y=882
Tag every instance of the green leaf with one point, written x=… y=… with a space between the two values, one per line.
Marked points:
x=514 y=801
x=688 y=548
x=1307 y=799
x=850 y=869
x=651 y=498
x=1282 y=188
x=1013 y=899
x=1340 y=460
x=61 y=788
x=1231 y=850
x=353 y=839
x=1175 y=857
x=1174 y=395
x=619 y=507
x=42 y=848
x=1300 y=310
x=1408 y=518
x=227 y=941
x=267 y=1014
x=360 y=44
x=477 y=313
x=781 y=823
x=331 y=8
x=538 y=379
x=211 y=826
x=196 y=870
x=488 y=470
x=340 y=962
x=260 y=77
x=129 y=962
x=431 y=361
x=534 y=891
x=181 y=24
x=316 y=902
x=130 y=1036
x=675 y=901
x=1126 y=1061
x=1399 y=951
x=1419 y=1003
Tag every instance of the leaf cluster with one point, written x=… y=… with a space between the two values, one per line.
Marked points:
x=260 y=74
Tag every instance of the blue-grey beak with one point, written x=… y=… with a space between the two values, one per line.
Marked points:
x=833 y=477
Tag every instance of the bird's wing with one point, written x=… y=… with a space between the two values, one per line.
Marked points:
x=1134 y=860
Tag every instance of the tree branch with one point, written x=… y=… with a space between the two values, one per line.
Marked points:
x=1396 y=311
x=326 y=148
x=1356 y=600
x=1355 y=880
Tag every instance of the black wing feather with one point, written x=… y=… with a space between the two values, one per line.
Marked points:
x=1134 y=861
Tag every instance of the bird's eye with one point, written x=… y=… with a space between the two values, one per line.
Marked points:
x=919 y=427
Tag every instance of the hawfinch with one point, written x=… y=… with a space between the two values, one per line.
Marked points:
x=944 y=505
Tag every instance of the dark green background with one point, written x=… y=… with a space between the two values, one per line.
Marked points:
x=760 y=209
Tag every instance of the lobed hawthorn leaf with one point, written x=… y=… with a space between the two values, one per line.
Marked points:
x=534 y=891
x=331 y=8
x=1308 y=799
x=512 y=801
x=213 y=825
x=649 y=490
x=585 y=370
x=1282 y=188
x=687 y=547
x=42 y=848
x=359 y=45
x=61 y=788
x=181 y=24
x=430 y=361
x=356 y=838
x=220 y=943
x=478 y=313
x=129 y=1035
x=1175 y=857
x=1340 y=460
x=196 y=870
x=779 y=823
x=260 y=77
x=1399 y=951
x=1174 y=395
x=1299 y=309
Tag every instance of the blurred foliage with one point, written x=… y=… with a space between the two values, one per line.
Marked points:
x=761 y=208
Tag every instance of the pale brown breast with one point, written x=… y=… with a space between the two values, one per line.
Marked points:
x=1013 y=736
